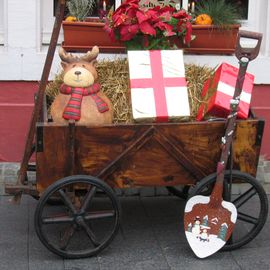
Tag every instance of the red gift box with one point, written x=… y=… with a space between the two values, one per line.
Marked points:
x=218 y=91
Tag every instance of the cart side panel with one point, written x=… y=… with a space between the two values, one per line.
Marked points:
x=142 y=155
x=247 y=145
x=52 y=154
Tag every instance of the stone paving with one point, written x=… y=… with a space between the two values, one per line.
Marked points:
x=152 y=238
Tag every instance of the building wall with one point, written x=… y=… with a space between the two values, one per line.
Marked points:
x=25 y=28
x=261 y=106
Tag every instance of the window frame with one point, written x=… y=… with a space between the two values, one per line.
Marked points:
x=47 y=21
x=3 y=19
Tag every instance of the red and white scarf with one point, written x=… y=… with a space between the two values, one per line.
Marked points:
x=73 y=108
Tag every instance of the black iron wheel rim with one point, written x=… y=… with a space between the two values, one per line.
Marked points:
x=179 y=191
x=77 y=218
x=255 y=189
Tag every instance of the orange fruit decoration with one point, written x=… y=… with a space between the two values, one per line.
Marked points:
x=203 y=19
x=71 y=19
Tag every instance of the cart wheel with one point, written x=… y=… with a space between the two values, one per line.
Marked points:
x=179 y=191
x=84 y=224
x=250 y=199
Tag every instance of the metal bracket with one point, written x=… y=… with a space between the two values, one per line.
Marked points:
x=39 y=139
x=259 y=132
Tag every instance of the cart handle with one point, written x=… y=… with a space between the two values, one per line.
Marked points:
x=250 y=53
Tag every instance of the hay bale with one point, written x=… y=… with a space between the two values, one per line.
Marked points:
x=196 y=76
x=114 y=80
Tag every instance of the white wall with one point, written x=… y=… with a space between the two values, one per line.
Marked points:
x=26 y=25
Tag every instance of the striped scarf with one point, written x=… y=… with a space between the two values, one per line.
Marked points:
x=73 y=108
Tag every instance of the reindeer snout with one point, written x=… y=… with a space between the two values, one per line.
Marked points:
x=77 y=73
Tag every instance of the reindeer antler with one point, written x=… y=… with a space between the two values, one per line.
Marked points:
x=70 y=58
x=91 y=55
x=67 y=57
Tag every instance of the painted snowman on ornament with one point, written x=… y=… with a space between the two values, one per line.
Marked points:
x=80 y=98
x=196 y=229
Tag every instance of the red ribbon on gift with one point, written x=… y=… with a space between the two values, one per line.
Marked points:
x=158 y=83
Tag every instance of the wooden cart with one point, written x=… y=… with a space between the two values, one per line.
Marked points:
x=78 y=167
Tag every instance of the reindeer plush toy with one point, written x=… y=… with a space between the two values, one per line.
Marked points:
x=80 y=98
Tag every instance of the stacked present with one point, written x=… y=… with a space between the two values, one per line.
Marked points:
x=219 y=90
x=158 y=85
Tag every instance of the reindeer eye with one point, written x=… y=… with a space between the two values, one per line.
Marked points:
x=83 y=66
x=74 y=66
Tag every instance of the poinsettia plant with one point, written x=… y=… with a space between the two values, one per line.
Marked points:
x=148 y=28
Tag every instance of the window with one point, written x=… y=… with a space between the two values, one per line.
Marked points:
x=1 y=22
x=242 y=6
x=98 y=6
x=48 y=10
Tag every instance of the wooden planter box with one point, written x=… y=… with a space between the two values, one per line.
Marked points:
x=213 y=40
x=82 y=36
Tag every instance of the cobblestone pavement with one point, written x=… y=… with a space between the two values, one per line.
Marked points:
x=152 y=238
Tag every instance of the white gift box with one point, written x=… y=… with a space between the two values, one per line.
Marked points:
x=158 y=85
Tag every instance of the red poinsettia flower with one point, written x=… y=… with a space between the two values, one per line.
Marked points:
x=119 y=19
x=153 y=15
x=109 y=30
x=167 y=28
x=127 y=32
x=141 y=16
x=148 y=28
x=127 y=5
x=166 y=15
x=188 y=32
x=182 y=14
x=131 y=13
x=165 y=9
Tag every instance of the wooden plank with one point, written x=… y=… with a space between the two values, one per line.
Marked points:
x=246 y=152
x=53 y=162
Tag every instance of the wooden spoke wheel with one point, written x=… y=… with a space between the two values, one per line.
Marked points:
x=84 y=224
x=250 y=199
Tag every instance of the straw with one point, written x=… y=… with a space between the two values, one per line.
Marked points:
x=114 y=80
